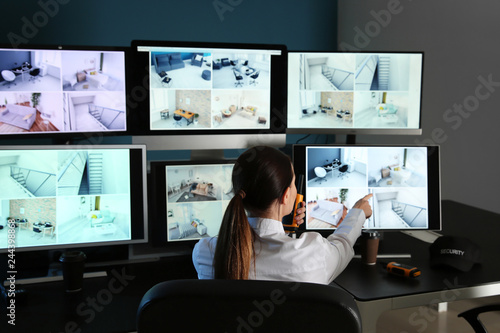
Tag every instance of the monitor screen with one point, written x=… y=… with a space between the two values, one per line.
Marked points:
x=404 y=181
x=354 y=93
x=62 y=91
x=191 y=198
x=209 y=89
x=72 y=196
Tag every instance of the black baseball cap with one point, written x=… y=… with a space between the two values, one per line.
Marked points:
x=457 y=252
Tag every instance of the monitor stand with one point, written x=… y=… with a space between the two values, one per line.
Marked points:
x=427 y=236
x=370 y=242
x=207 y=155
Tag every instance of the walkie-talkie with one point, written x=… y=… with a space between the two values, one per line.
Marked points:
x=289 y=223
x=401 y=269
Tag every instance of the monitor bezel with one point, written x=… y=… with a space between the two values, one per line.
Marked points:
x=140 y=113
x=138 y=194
x=69 y=137
x=433 y=181
x=159 y=206
x=361 y=131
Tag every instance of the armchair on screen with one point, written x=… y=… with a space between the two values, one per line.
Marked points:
x=34 y=75
x=9 y=77
x=343 y=171
x=197 y=59
x=249 y=306
x=320 y=173
x=472 y=316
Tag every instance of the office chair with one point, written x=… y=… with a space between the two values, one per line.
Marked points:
x=9 y=77
x=320 y=174
x=247 y=306
x=254 y=77
x=34 y=73
x=343 y=170
x=238 y=77
x=178 y=120
x=472 y=316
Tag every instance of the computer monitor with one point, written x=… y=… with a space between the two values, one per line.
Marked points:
x=190 y=200
x=63 y=92
x=404 y=181
x=209 y=95
x=354 y=92
x=59 y=197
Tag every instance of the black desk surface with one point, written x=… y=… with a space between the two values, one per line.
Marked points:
x=109 y=304
x=368 y=283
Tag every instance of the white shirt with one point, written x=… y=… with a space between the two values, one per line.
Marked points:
x=309 y=258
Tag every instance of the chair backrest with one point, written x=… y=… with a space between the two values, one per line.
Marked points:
x=8 y=75
x=320 y=171
x=237 y=75
x=472 y=316
x=177 y=117
x=247 y=306
x=343 y=168
x=35 y=72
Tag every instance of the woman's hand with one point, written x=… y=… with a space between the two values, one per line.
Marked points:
x=301 y=213
x=364 y=205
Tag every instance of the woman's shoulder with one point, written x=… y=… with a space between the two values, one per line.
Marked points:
x=204 y=246
x=206 y=242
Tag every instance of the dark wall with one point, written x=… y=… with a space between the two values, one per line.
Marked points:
x=320 y=157
x=461 y=94
x=13 y=59
x=303 y=25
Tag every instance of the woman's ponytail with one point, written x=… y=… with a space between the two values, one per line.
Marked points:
x=234 y=251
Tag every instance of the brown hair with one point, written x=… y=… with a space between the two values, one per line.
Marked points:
x=260 y=177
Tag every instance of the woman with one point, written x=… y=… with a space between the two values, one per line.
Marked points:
x=257 y=247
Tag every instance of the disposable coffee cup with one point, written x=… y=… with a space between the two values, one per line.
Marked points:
x=369 y=247
x=73 y=265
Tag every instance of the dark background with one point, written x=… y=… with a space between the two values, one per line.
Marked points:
x=459 y=38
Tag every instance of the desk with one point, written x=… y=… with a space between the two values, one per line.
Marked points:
x=105 y=304
x=332 y=167
x=186 y=114
x=22 y=70
x=47 y=308
x=376 y=292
